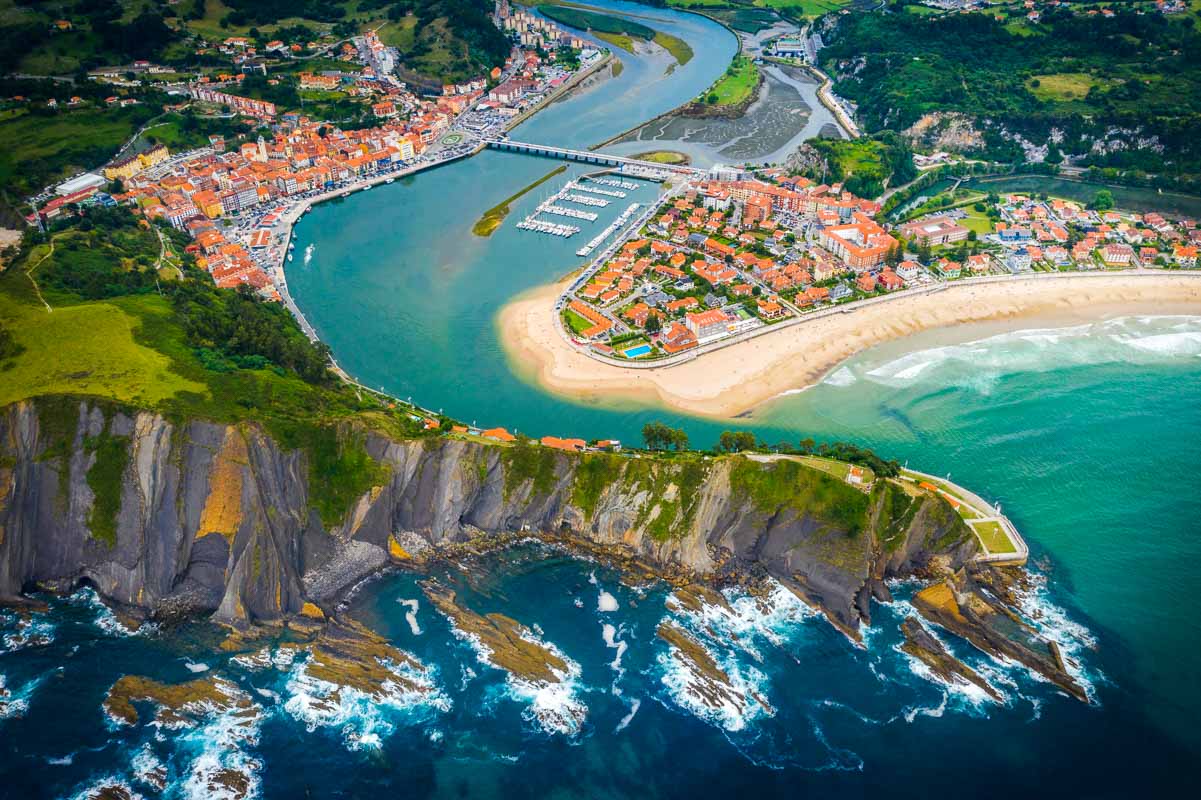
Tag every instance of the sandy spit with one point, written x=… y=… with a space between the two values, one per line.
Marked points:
x=736 y=379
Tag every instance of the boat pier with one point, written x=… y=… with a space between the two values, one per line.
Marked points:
x=597 y=190
x=609 y=231
x=574 y=213
x=616 y=184
x=585 y=200
x=552 y=228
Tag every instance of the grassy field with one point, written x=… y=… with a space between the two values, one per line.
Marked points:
x=493 y=217
x=977 y=221
x=839 y=469
x=574 y=321
x=38 y=149
x=1062 y=86
x=736 y=85
x=94 y=347
x=617 y=31
x=679 y=48
x=664 y=157
x=993 y=537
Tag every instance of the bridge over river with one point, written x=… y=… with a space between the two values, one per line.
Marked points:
x=591 y=157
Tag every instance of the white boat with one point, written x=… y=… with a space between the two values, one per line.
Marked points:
x=346 y=194
x=389 y=180
x=289 y=256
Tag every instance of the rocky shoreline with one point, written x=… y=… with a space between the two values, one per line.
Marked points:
x=216 y=521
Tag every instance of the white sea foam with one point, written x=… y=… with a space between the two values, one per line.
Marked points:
x=196 y=666
x=842 y=376
x=64 y=761
x=364 y=719
x=1073 y=639
x=606 y=602
x=980 y=363
x=609 y=634
x=268 y=693
x=35 y=630
x=635 y=704
x=749 y=620
x=731 y=713
x=411 y=615
x=279 y=657
x=104 y=618
x=15 y=702
x=148 y=769
x=218 y=748
x=552 y=705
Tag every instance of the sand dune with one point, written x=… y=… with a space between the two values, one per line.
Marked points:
x=735 y=379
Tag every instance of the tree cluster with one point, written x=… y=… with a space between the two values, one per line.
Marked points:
x=658 y=436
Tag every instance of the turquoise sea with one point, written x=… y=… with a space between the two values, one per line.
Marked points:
x=1087 y=432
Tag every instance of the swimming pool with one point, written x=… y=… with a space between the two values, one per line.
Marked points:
x=635 y=352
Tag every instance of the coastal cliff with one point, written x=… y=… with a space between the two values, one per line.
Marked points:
x=172 y=518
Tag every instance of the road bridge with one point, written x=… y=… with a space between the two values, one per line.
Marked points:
x=590 y=157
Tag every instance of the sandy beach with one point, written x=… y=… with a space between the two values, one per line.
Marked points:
x=735 y=379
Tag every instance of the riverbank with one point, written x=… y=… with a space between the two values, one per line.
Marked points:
x=735 y=379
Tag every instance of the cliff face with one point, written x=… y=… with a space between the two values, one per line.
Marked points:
x=202 y=518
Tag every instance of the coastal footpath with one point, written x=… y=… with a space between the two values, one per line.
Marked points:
x=737 y=376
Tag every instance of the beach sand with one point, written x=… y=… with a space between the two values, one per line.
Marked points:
x=735 y=379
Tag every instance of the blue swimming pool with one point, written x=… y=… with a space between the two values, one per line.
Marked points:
x=635 y=352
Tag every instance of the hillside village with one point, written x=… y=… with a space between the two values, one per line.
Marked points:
x=238 y=197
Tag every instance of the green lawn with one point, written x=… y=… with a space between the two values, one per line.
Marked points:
x=839 y=469
x=993 y=537
x=736 y=85
x=576 y=322
x=1062 y=86
x=94 y=351
x=977 y=221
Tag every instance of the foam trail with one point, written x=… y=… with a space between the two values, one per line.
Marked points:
x=635 y=704
x=411 y=615
x=610 y=636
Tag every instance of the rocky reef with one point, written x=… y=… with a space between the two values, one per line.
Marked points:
x=971 y=606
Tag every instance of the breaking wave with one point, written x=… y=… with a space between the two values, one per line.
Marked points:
x=552 y=705
x=363 y=719
x=979 y=364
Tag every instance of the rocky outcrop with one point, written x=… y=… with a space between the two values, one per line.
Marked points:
x=962 y=605
x=922 y=645
x=944 y=130
x=170 y=518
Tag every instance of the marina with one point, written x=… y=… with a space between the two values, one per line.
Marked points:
x=616 y=184
x=597 y=190
x=607 y=232
x=585 y=200
x=567 y=212
x=552 y=228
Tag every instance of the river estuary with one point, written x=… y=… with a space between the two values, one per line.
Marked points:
x=1087 y=433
